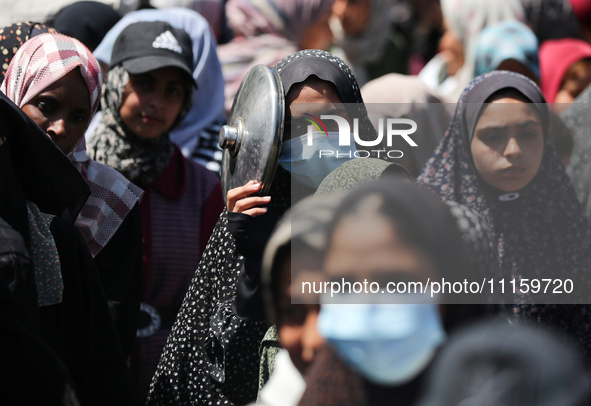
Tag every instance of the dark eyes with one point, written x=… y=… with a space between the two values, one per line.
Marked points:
x=141 y=83
x=47 y=106
x=175 y=91
x=494 y=137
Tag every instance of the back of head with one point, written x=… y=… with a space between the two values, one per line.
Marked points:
x=493 y=363
x=87 y=21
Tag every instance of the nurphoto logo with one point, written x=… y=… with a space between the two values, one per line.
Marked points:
x=388 y=128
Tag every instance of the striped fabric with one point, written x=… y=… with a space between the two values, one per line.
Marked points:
x=40 y=62
x=176 y=205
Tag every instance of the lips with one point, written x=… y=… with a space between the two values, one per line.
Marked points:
x=513 y=171
x=151 y=119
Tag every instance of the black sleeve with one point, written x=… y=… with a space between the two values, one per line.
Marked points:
x=251 y=235
x=80 y=328
x=120 y=267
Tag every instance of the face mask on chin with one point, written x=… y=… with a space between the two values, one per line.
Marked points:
x=388 y=344
x=309 y=164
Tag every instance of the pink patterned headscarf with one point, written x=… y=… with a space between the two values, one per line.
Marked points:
x=40 y=62
x=45 y=59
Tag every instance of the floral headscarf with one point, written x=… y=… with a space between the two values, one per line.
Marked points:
x=15 y=35
x=540 y=233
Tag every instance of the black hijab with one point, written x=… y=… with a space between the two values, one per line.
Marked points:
x=298 y=67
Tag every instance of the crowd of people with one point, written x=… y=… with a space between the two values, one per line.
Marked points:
x=132 y=274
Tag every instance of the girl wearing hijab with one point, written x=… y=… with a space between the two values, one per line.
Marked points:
x=62 y=98
x=566 y=70
x=297 y=246
x=147 y=93
x=197 y=134
x=222 y=320
x=386 y=231
x=498 y=160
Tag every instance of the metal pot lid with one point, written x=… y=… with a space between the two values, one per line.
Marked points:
x=252 y=138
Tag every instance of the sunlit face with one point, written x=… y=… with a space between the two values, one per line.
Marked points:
x=152 y=101
x=367 y=247
x=508 y=144
x=353 y=15
x=451 y=50
x=575 y=80
x=320 y=97
x=296 y=324
x=62 y=110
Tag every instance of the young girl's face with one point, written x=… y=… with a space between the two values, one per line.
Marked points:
x=152 y=101
x=62 y=110
x=575 y=80
x=508 y=144
x=296 y=323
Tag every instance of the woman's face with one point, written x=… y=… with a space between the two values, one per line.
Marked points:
x=296 y=323
x=152 y=101
x=366 y=247
x=320 y=97
x=354 y=15
x=508 y=144
x=451 y=50
x=575 y=80
x=62 y=110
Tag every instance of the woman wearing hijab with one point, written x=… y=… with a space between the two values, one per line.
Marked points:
x=504 y=167
x=367 y=36
x=41 y=195
x=508 y=45
x=453 y=67
x=222 y=320
x=565 y=66
x=110 y=220
x=197 y=134
x=265 y=32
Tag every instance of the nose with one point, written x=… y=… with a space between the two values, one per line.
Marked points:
x=57 y=128
x=512 y=148
x=157 y=100
x=311 y=338
x=338 y=9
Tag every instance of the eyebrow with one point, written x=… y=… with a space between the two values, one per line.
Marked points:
x=521 y=124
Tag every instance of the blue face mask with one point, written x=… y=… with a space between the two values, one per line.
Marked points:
x=309 y=164
x=389 y=344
